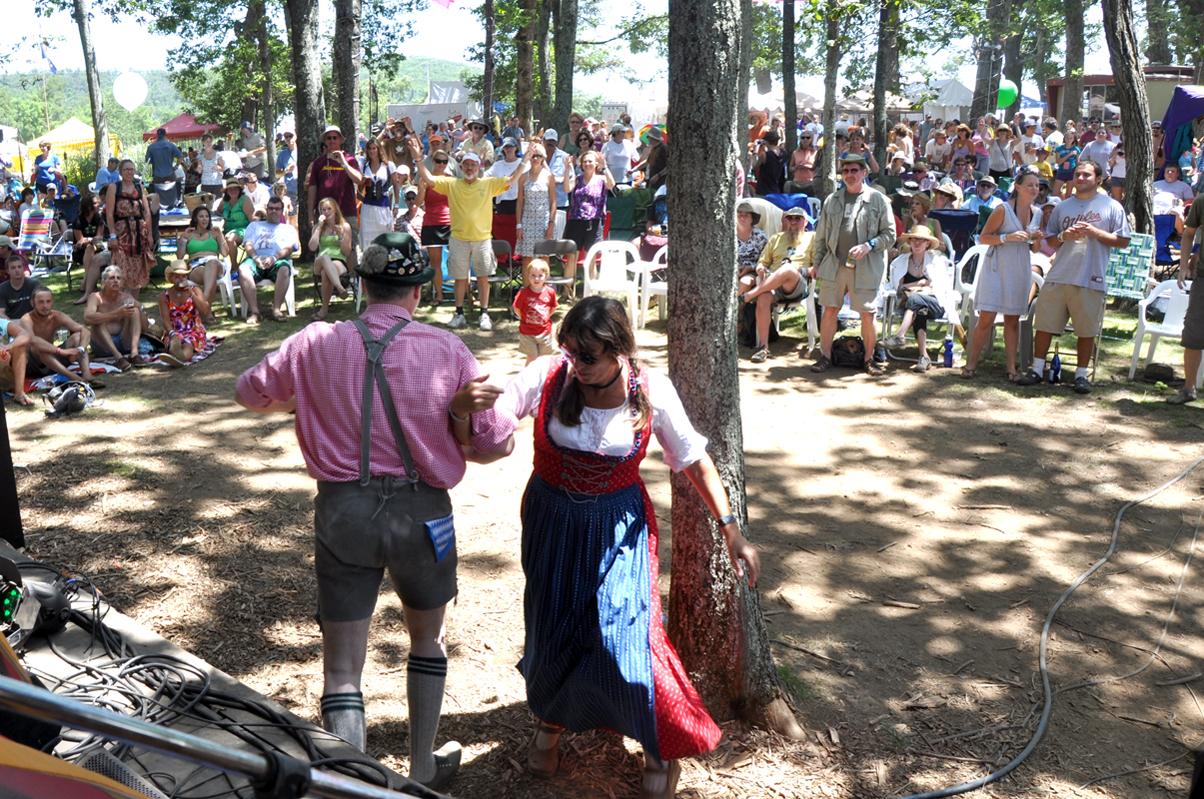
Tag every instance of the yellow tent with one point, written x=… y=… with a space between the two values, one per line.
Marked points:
x=74 y=136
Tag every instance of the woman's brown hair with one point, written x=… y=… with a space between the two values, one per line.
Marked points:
x=600 y=323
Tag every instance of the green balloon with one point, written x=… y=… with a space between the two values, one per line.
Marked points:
x=1008 y=92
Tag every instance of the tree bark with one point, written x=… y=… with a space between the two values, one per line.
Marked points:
x=301 y=17
x=986 y=82
x=831 y=71
x=269 y=101
x=524 y=88
x=1072 y=91
x=886 y=73
x=789 y=98
x=1158 y=29
x=347 y=57
x=100 y=122
x=1129 y=79
x=543 y=86
x=248 y=31
x=714 y=618
x=1013 y=70
x=487 y=83
x=565 y=44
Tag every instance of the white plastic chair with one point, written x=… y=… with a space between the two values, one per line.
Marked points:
x=226 y=285
x=1171 y=325
x=290 y=294
x=653 y=284
x=614 y=267
x=815 y=205
x=966 y=288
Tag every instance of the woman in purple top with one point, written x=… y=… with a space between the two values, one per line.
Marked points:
x=587 y=201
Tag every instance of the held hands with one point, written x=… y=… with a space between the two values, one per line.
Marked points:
x=475 y=397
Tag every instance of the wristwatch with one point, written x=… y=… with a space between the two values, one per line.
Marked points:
x=724 y=521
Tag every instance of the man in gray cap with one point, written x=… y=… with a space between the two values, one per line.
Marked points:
x=253 y=147
x=384 y=466
x=855 y=232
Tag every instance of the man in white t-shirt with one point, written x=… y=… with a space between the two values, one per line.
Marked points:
x=258 y=192
x=938 y=151
x=1083 y=230
x=1053 y=136
x=269 y=247
x=1030 y=142
x=619 y=153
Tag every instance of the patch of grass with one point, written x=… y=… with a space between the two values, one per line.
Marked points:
x=123 y=468
x=800 y=691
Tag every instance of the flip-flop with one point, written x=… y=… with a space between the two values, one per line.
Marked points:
x=1012 y=376
x=24 y=401
x=967 y=372
x=170 y=360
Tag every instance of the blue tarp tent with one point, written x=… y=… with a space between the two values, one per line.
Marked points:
x=1187 y=103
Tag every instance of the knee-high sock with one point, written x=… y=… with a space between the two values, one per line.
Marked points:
x=343 y=714
x=425 y=679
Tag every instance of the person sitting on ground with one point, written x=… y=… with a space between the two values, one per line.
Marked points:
x=115 y=321
x=750 y=243
x=331 y=241
x=269 y=246
x=535 y=304
x=206 y=252
x=89 y=250
x=45 y=356
x=920 y=277
x=14 y=355
x=181 y=307
x=784 y=263
x=16 y=294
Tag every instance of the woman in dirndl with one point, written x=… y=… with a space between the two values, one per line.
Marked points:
x=127 y=211
x=596 y=654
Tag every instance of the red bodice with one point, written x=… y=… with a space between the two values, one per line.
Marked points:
x=581 y=472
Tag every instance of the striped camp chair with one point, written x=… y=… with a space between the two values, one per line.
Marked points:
x=36 y=243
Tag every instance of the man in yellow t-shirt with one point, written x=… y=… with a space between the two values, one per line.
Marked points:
x=785 y=264
x=470 y=200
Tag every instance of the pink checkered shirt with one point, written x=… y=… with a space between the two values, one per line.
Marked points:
x=323 y=366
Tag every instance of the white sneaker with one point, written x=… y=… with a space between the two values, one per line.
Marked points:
x=485 y=323
x=458 y=321
x=924 y=363
x=895 y=341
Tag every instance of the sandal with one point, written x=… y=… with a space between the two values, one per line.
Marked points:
x=210 y=320
x=873 y=369
x=1012 y=376
x=122 y=364
x=277 y=316
x=822 y=365
x=319 y=316
x=342 y=292
x=967 y=372
x=24 y=401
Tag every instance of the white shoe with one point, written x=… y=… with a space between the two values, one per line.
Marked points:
x=458 y=321
x=924 y=363
x=485 y=323
x=895 y=341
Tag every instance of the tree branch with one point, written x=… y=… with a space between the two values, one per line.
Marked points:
x=623 y=33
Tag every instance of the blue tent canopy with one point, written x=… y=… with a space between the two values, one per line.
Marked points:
x=1187 y=103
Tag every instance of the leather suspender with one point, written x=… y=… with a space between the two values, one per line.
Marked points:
x=374 y=373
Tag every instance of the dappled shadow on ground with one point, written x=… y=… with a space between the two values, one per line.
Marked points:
x=915 y=529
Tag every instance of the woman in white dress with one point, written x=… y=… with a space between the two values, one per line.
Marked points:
x=1005 y=278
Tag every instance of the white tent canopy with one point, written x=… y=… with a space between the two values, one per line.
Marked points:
x=952 y=101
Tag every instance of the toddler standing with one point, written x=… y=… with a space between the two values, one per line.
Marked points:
x=534 y=304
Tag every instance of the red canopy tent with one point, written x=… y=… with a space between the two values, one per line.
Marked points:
x=182 y=128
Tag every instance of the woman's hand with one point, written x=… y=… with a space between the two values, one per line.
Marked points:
x=1018 y=235
x=743 y=554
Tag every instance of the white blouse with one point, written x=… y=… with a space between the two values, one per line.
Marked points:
x=608 y=431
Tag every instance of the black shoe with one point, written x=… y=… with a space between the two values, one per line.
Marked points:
x=1082 y=386
x=1030 y=379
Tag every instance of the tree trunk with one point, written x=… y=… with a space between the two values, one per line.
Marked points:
x=886 y=70
x=746 y=33
x=301 y=18
x=986 y=82
x=1041 y=62
x=1158 y=28
x=1013 y=70
x=487 y=83
x=543 y=88
x=269 y=101
x=1072 y=91
x=714 y=618
x=524 y=85
x=789 y=98
x=248 y=31
x=565 y=44
x=100 y=122
x=1134 y=111
x=346 y=60
x=831 y=70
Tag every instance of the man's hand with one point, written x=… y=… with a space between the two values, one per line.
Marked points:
x=475 y=397
x=859 y=251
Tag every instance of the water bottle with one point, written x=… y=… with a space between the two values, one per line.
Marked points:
x=948 y=352
x=1055 y=367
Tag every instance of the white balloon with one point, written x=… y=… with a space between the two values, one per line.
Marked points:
x=129 y=90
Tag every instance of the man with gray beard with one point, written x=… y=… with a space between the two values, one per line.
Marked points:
x=784 y=261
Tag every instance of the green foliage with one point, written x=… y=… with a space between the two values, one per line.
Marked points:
x=79 y=170
x=384 y=26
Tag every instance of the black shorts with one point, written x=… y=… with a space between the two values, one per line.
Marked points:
x=585 y=232
x=35 y=364
x=436 y=235
x=358 y=537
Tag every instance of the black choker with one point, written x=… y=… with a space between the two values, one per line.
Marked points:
x=618 y=374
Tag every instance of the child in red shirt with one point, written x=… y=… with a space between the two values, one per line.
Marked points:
x=534 y=304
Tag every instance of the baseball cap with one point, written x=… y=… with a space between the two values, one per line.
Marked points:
x=510 y=141
x=471 y=157
x=332 y=128
x=551 y=135
x=246 y=125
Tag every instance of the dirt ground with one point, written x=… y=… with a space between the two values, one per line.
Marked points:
x=915 y=532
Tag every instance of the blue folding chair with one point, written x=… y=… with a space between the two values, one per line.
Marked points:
x=788 y=201
x=1164 y=228
x=959 y=226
